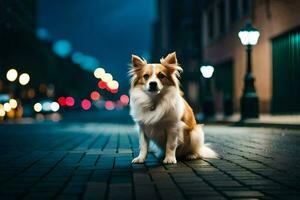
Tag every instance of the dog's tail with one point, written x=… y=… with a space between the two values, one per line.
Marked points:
x=204 y=150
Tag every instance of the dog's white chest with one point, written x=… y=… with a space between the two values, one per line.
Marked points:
x=167 y=109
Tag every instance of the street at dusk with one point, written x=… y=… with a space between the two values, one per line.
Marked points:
x=149 y=99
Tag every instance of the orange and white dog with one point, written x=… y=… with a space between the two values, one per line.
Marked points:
x=161 y=113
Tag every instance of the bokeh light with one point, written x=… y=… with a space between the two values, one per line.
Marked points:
x=99 y=72
x=42 y=33
x=101 y=84
x=95 y=95
x=107 y=77
x=13 y=103
x=114 y=91
x=54 y=106
x=62 y=101
x=2 y=111
x=113 y=85
x=86 y=104
x=7 y=107
x=12 y=75
x=124 y=99
x=24 y=79
x=62 y=48
x=70 y=101
x=109 y=105
x=37 y=107
x=46 y=106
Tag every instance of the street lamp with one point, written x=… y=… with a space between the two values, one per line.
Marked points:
x=249 y=100
x=208 y=101
x=207 y=71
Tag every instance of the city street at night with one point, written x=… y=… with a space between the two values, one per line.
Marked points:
x=149 y=99
x=69 y=160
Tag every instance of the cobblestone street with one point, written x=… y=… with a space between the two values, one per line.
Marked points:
x=93 y=161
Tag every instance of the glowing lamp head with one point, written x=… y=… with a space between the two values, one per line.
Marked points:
x=207 y=71
x=249 y=35
x=24 y=79
x=12 y=75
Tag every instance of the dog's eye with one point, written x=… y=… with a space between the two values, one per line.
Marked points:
x=146 y=76
x=160 y=75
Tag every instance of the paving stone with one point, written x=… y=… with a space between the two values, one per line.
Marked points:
x=254 y=164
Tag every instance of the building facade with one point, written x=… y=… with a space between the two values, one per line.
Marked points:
x=22 y=50
x=275 y=59
x=179 y=29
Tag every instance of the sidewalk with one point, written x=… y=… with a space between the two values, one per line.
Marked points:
x=265 y=120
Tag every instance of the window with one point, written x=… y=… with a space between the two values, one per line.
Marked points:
x=221 y=11
x=211 y=24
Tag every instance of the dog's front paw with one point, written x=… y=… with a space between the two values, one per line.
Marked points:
x=170 y=160
x=137 y=160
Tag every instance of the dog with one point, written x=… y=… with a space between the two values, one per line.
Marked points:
x=161 y=113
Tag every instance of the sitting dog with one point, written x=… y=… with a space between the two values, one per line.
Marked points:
x=161 y=113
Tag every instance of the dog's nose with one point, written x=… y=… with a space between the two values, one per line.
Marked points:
x=152 y=86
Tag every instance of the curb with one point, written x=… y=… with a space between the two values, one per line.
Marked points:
x=254 y=124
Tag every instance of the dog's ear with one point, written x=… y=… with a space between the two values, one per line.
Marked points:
x=137 y=62
x=170 y=61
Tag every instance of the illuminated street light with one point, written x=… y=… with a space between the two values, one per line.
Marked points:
x=24 y=79
x=249 y=100
x=99 y=72
x=207 y=71
x=13 y=103
x=37 y=107
x=249 y=35
x=12 y=75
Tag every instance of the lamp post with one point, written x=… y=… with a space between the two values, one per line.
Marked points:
x=249 y=100
x=208 y=102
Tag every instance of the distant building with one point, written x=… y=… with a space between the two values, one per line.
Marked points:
x=179 y=29
x=276 y=57
x=21 y=49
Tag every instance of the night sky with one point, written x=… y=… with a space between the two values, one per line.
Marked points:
x=110 y=30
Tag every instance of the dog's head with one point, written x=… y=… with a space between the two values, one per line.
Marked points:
x=153 y=78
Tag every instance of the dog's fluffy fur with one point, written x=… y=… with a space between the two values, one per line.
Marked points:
x=161 y=113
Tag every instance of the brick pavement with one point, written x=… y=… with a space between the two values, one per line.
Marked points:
x=93 y=161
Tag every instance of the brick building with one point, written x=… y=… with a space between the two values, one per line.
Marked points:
x=276 y=57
